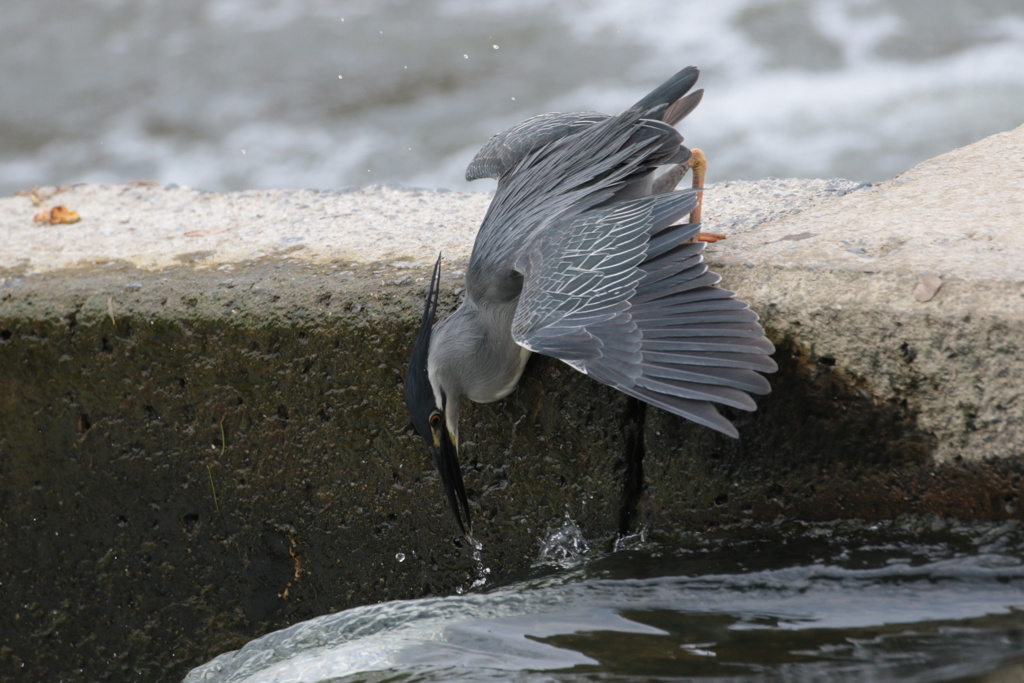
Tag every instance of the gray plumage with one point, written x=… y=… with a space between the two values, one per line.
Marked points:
x=578 y=260
x=506 y=148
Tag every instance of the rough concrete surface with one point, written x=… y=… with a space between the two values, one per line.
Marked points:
x=202 y=435
x=915 y=289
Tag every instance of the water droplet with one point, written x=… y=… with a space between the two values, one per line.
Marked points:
x=339 y=77
x=513 y=99
x=465 y=56
x=564 y=546
x=494 y=46
x=243 y=151
x=400 y=557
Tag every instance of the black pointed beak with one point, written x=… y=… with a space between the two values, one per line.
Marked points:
x=446 y=458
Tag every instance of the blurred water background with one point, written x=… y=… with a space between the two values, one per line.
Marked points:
x=245 y=94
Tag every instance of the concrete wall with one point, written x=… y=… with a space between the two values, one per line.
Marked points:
x=202 y=434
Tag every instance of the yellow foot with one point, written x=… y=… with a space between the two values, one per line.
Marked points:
x=699 y=166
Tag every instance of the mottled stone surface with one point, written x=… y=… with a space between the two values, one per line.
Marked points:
x=914 y=288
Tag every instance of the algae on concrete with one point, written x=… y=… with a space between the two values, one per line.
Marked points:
x=189 y=461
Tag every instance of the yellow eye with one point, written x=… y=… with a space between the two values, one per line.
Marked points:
x=435 y=419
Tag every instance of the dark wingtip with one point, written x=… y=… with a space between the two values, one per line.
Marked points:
x=656 y=102
x=681 y=108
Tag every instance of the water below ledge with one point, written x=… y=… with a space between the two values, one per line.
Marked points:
x=917 y=600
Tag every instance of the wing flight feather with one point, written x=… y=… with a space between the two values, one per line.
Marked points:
x=643 y=314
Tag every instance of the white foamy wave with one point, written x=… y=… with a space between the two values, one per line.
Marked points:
x=870 y=114
x=230 y=94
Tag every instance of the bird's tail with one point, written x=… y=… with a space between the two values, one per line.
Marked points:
x=669 y=102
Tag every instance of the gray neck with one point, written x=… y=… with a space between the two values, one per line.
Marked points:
x=472 y=353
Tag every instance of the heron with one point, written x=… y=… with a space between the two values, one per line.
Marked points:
x=587 y=255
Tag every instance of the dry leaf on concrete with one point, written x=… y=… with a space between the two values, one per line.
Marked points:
x=56 y=215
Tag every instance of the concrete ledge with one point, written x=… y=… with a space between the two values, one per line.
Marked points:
x=204 y=438
x=914 y=289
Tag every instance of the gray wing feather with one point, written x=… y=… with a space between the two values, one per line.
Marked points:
x=668 y=102
x=586 y=265
x=620 y=293
x=558 y=182
x=505 y=149
x=608 y=283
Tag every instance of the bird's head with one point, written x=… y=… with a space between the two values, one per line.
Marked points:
x=434 y=411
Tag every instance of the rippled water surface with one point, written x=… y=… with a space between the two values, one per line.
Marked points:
x=248 y=94
x=910 y=601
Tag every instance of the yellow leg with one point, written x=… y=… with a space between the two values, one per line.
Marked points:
x=698 y=167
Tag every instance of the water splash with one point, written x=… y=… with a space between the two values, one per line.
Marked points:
x=480 y=572
x=631 y=541
x=564 y=546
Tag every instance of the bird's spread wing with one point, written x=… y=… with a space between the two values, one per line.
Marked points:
x=620 y=293
x=564 y=178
